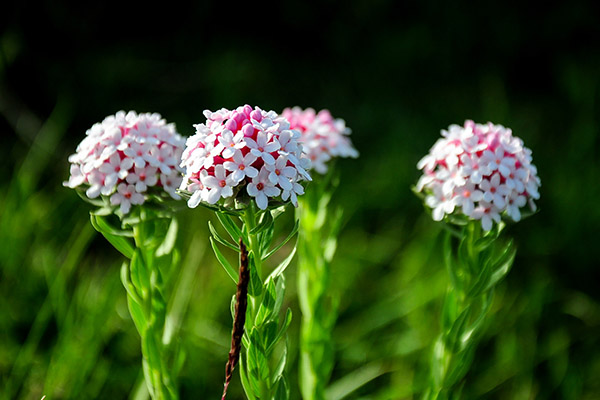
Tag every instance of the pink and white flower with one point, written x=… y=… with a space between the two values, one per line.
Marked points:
x=127 y=155
x=261 y=188
x=480 y=171
x=242 y=152
x=126 y=196
x=323 y=137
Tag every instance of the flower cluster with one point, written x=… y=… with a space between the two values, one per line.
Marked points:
x=243 y=147
x=481 y=170
x=323 y=137
x=125 y=155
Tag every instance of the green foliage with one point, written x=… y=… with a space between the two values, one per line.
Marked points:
x=317 y=243
x=146 y=277
x=481 y=261
x=263 y=360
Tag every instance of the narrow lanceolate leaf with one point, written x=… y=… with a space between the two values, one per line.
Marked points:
x=223 y=261
x=232 y=229
x=248 y=388
x=286 y=323
x=258 y=364
x=126 y=280
x=220 y=238
x=502 y=264
x=280 y=245
x=265 y=221
x=256 y=284
x=282 y=391
x=167 y=245
x=139 y=270
x=119 y=241
x=265 y=239
x=268 y=304
x=136 y=311
x=449 y=260
x=281 y=267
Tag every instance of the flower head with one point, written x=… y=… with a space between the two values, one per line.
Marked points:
x=125 y=156
x=246 y=151
x=480 y=171
x=323 y=137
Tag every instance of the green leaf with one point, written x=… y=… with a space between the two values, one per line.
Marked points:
x=279 y=293
x=102 y=211
x=282 y=266
x=126 y=280
x=280 y=368
x=282 y=391
x=451 y=339
x=286 y=323
x=136 y=311
x=220 y=239
x=502 y=265
x=258 y=365
x=449 y=261
x=265 y=238
x=140 y=274
x=256 y=285
x=119 y=241
x=150 y=350
x=232 y=306
x=232 y=229
x=169 y=242
x=269 y=335
x=481 y=282
x=265 y=310
x=224 y=263
x=280 y=245
x=248 y=389
x=265 y=221
x=343 y=387
x=489 y=238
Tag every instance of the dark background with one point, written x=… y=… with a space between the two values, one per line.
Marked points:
x=397 y=72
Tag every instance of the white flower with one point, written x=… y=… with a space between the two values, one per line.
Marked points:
x=241 y=166
x=487 y=213
x=228 y=143
x=261 y=189
x=514 y=204
x=140 y=153
x=293 y=193
x=115 y=169
x=263 y=147
x=494 y=192
x=280 y=173
x=219 y=185
x=497 y=161
x=466 y=196
x=125 y=197
x=142 y=178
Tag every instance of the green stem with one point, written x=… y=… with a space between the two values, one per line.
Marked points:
x=476 y=271
x=314 y=295
x=157 y=372
x=264 y=381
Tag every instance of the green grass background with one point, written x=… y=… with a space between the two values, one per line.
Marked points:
x=397 y=72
